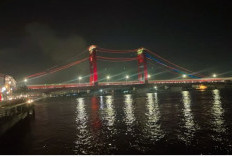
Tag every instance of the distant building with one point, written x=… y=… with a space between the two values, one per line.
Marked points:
x=7 y=85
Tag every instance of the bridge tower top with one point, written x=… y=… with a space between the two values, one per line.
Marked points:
x=93 y=65
x=142 y=66
x=92 y=48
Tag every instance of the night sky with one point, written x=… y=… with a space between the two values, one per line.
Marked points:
x=36 y=35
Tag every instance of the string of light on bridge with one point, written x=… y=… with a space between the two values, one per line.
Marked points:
x=147 y=53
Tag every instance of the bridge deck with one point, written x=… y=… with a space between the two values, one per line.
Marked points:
x=82 y=85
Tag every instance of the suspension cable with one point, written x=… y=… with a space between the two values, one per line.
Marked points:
x=110 y=58
x=171 y=62
x=56 y=69
x=115 y=51
x=174 y=69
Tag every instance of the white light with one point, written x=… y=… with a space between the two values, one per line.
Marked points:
x=25 y=80
x=101 y=90
x=127 y=77
x=9 y=82
x=214 y=75
x=3 y=89
x=155 y=87
x=107 y=77
x=184 y=76
x=149 y=76
x=29 y=101
x=79 y=78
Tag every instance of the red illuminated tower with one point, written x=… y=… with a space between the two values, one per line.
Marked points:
x=93 y=80
x=142 y=66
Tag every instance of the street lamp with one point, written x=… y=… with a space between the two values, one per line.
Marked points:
x=25 y=80
x=108 y=78
x=127 y=77
x=214 y=75
x=184 y=76
x=79 y=79
x=149 y=76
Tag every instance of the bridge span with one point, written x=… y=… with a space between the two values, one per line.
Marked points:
x=142 y=56
x=131 y=83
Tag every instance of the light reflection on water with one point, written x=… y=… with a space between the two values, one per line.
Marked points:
x=129 y=110
x=153 y=129
x=189 y=124
x=109 y=115
x=153 y=123
x=218 y=115
x=83 y=137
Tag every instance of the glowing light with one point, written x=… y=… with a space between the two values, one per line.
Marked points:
x=184 y=76
x=25 y=80
x=91 y=48
x=202 y=87
x=108 y=77
x=149 y=76
x=155 y=87
x=214 y=75
x=127 y=77
x=140 y=51
x=3 y=89
x=101 y=90
x=29 y=101
x=79 y=78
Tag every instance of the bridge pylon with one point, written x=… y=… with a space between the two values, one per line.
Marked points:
x=93 y=80
x=142 y=66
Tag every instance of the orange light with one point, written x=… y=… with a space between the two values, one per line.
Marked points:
x=202 y=87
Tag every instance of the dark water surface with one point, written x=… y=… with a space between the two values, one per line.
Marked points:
x=187 y=122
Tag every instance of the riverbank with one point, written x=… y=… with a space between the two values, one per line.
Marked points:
x=12 y=112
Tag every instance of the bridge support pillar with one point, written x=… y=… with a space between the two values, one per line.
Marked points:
x=93 y=80
x=142 y=66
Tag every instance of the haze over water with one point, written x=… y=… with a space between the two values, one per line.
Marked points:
x=187 y=122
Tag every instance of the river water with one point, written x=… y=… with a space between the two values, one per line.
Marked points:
x=187 y=122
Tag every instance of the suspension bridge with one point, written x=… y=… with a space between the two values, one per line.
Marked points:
x=143 y=55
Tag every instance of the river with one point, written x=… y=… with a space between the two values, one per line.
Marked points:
x=186 y=122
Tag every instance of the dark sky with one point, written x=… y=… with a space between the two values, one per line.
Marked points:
x=36 y=34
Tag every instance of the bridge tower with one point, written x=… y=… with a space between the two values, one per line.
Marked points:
x=142 y=66
x=93 y=80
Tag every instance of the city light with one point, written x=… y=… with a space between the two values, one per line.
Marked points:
x=214 y=75
x=155 y=87
x=127 y=77
x=108 y=77
x=3 y=89
x=79 y=79
x=184 y=75
x=149 y=76
x=101 y=90
x=29 y=101
x=25 y=80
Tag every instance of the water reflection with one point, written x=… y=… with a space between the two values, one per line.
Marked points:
x=218 y=113
x=83 y=135
x=95 y=120
x=129 y=110
x=153 y=128
x=189 y=125
x=108 y=115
